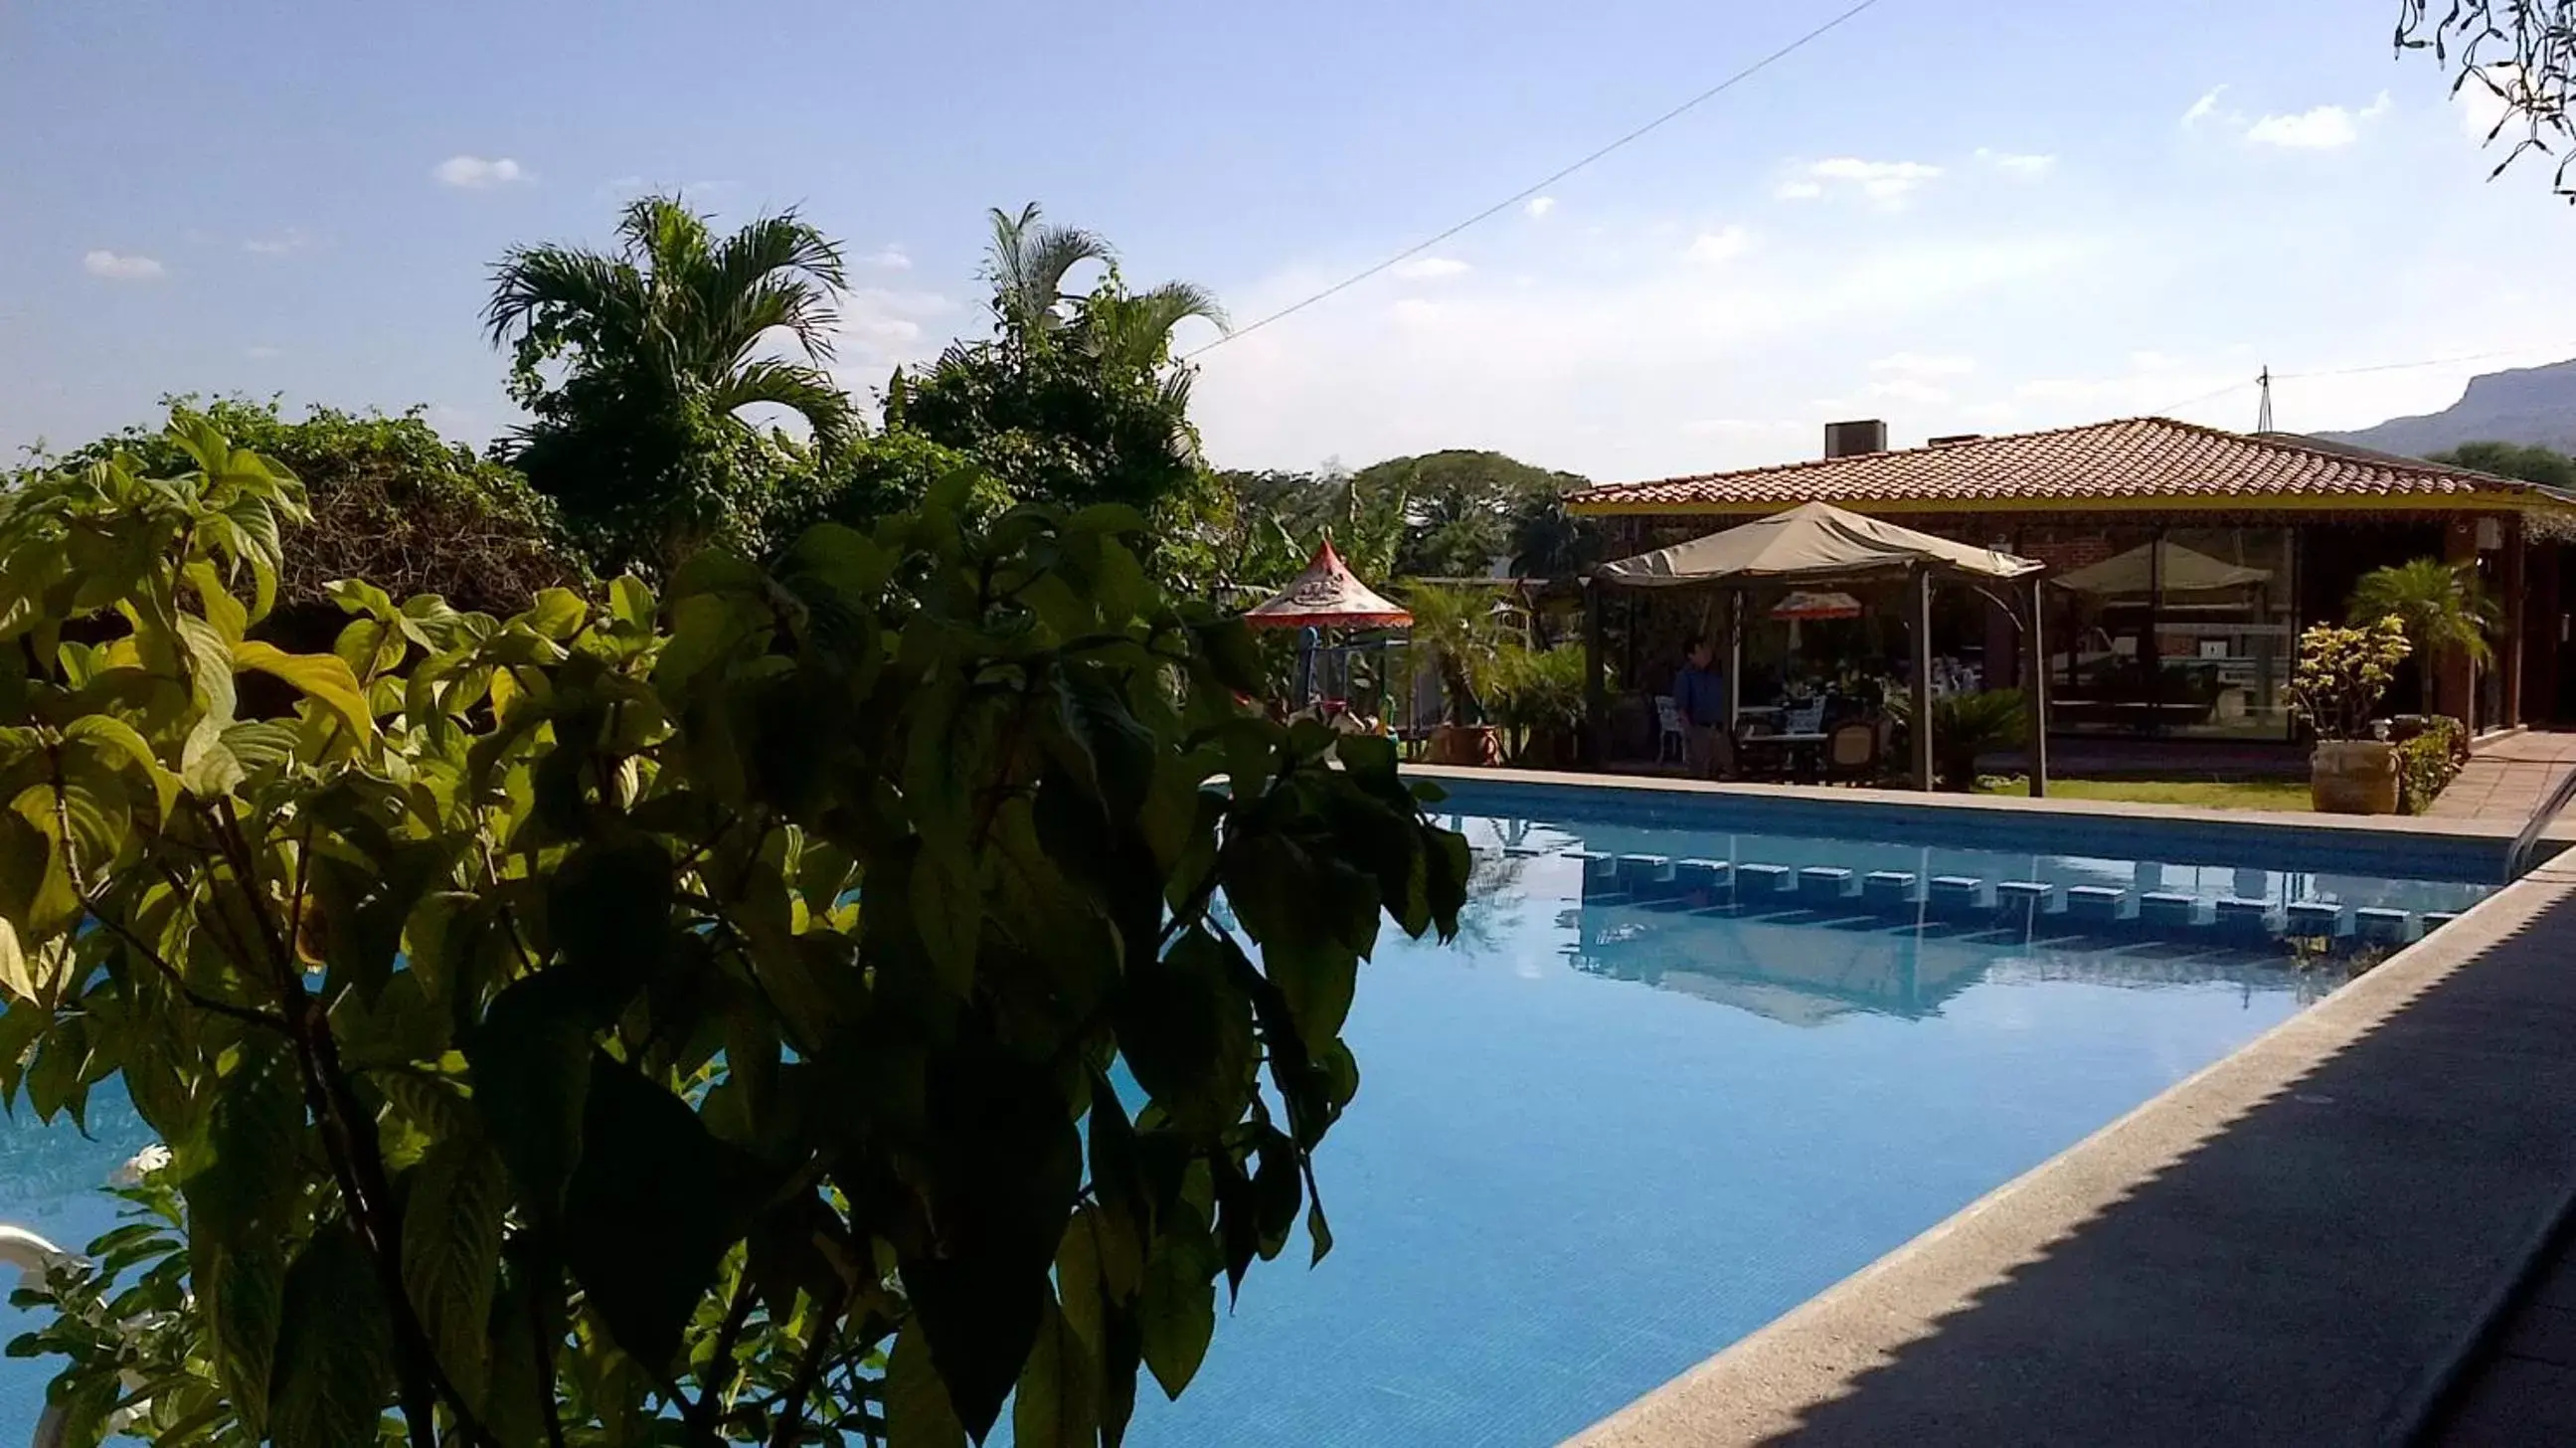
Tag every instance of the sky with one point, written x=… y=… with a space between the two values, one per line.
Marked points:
x=1959 y=218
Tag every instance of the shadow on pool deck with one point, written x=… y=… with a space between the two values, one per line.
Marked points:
x=2300 y=1245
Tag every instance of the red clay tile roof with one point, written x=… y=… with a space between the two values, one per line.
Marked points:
x=2138 y=459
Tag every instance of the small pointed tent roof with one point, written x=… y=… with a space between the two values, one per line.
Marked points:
x=1811 y=543
x=1327 y=595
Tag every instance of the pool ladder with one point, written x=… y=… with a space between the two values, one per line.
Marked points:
x=2518 y=858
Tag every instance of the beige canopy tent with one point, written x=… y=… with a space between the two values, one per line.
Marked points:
x=1816 y=544
x=2165 y=565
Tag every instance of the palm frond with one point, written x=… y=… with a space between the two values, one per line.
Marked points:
x=1135 y=332
x=1027 y=263
x=541 y=285
x=808 y=391
x=779 y=271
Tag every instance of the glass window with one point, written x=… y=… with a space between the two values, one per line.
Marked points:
x=2226 y=631
x=2100 y=612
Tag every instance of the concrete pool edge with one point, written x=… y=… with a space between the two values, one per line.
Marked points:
x=1985 y=1328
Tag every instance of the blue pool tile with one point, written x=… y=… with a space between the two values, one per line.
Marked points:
x=1646 y=877
x=1888 y=889
x=1762 y=881
x=2035 y=894
x=1957 y=895
x=2245 y=919
x=1824 y=884
x=2166 y=910
x=2309 y=918
x=2096 y=904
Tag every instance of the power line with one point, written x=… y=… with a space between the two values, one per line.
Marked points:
x=1544 y=182
x=2231 y=387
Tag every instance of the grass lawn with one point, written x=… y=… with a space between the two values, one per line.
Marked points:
x=2273 y=794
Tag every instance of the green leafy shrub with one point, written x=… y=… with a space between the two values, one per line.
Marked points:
x=1538 y=696
x=691 y=1021
x=2428 y=760
x=1964 y=726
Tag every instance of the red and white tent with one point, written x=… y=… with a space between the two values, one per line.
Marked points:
x=1327 y=595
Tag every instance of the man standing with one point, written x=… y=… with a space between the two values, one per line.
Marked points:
x=1699 y=692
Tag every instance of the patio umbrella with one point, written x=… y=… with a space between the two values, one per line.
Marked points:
x=1816 y=605
x=1327 y=595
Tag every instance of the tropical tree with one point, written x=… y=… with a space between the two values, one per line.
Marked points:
x=1076 y=398
x=2440 y=606
x=790 y=1009
x=640 y=367
x=1464 y=509
x=1458 y=626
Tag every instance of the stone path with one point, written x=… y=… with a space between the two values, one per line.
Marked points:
x=2506 y=779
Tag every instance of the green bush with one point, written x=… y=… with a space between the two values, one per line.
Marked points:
x=2429 y=760
x=1538 y=696
x=691 y=1018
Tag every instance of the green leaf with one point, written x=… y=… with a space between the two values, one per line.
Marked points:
x=1057 y=1405
x=652 y=1208
x=324 y=678
x=1178 y=1312
x=556 y=613
x=24 y=982
x=335 y=1354
x=451 y=1254
x=916 y=1402
x=630 y=602
x=113 y=736
x=1186 y=1031
x=531 y=1062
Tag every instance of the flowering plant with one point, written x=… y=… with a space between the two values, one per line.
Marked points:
x=2343 y=672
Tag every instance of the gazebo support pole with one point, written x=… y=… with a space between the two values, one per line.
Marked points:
x=1919 y=606
x=1734 y=659
x=2035 y=690
x=1596 y=695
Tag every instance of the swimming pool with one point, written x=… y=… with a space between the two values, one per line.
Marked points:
x=1691 y=1061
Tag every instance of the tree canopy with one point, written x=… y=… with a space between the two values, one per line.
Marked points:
x=793 y=1004
x=2545 y=466
x=637 y=367
x=1464 y=509
x=2519 y=53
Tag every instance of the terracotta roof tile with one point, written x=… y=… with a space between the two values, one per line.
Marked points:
x=2134 y=459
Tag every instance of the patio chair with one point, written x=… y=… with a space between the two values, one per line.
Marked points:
x=1668 y=717
x=1807 y=718
x=1851 y=753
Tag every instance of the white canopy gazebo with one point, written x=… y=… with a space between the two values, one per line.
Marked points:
x=1816 y=545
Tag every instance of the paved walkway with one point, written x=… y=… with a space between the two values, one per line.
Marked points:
x=2507 y=779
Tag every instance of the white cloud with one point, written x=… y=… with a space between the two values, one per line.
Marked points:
x=477 y=173
x=2025 y=165
x=1430 y=268
x=2320 y=128
x=119 y=267
x=292 y=239
x=1886 y=182
x=1907 y=389
x=262 y=354
x=2206 y=108
x=892 y=258
x=1723 y=245
x=1922 y=364
x=1539 y=206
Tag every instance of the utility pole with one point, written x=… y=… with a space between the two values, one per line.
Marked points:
x=2263 y=414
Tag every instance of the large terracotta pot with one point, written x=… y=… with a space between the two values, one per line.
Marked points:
x=1473 y=744
x=2353 y=776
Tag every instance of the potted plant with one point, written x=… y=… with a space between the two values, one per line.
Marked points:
x=1964 y=726
x=2337 y=687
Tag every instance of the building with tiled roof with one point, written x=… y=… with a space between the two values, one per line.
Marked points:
x=2104 y=466
x=2185 y=561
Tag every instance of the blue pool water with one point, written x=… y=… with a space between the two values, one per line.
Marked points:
x=1602 y=1136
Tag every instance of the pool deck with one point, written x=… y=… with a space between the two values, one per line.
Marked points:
x=2314 y=1240
x=2506 y=778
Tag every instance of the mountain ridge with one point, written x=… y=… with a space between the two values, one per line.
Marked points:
x=2530 y=405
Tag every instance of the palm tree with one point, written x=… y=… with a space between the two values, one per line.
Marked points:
x=1027 y=262
x=682 y=312
x=2441 y=606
